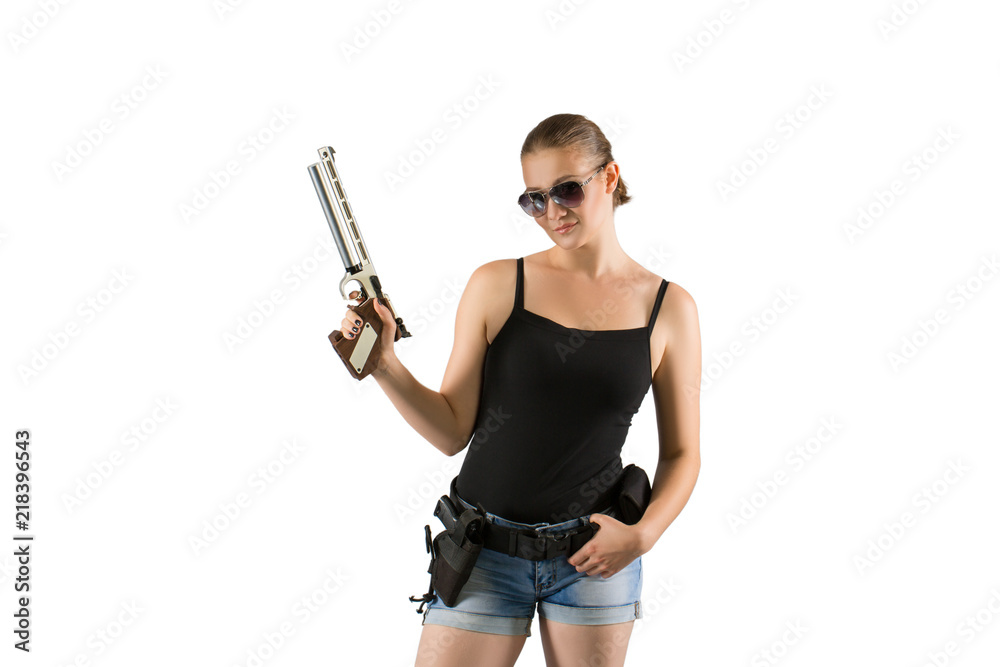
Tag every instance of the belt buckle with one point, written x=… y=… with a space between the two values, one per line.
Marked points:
x=557 y=545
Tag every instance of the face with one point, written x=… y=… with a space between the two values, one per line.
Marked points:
x=551 y=166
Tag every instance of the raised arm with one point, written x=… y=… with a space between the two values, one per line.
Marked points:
x=446 y=418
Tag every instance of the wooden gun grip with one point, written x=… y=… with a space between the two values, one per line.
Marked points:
x=362 y=353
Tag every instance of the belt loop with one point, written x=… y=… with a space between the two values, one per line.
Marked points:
x=512 y=543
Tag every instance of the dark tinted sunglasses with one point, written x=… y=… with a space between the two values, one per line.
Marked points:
x=567 y=193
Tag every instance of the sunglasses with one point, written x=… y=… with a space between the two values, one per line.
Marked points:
x=567 y=193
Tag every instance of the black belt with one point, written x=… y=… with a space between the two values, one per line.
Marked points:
x=526 y=542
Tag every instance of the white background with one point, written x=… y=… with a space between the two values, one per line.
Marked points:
x=896 y=75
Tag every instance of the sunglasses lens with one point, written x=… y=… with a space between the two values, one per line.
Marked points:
x=568 y=194
x=532 y=203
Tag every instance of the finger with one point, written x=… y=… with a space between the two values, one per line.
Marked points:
x=349 y=329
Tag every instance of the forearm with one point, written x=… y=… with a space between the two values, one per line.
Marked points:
x=672 y=486
x=426 y=410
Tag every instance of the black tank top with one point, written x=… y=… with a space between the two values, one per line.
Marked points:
x=555 y=407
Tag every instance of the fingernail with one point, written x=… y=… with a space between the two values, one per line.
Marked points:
x=358 y=322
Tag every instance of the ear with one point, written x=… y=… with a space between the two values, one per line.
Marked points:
x=611 y=177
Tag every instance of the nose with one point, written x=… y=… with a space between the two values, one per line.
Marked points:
x=553 y=211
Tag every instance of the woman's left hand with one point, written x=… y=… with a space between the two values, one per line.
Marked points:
x=610 y=550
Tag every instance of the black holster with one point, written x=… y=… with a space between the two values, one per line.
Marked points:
x=453 y=551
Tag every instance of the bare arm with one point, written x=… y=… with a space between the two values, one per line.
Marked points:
x=676 y=392
x=446 y=418
x=426 y=410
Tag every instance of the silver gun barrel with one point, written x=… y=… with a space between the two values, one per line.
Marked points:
x=340 y=217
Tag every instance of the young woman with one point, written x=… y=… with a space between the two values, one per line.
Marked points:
x=554 y=352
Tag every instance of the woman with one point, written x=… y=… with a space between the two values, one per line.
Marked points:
x=553 y=354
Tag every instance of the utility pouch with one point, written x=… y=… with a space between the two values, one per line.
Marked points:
x=634 y=494
x=453 y=551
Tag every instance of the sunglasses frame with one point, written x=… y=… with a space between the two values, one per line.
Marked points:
x=546 y=193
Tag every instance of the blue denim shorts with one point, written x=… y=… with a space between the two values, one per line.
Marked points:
x=500 y=595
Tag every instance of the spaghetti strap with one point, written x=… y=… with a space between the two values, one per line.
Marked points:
x=519 y=291
x=656 y=306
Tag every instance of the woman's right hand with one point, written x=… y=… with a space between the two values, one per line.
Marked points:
x=352 y=324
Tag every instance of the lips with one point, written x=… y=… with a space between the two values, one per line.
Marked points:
x=564 y=227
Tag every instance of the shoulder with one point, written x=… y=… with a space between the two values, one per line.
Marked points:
x=492 y=280
x=495 y=272
x=678 y=311
x=678 y=298
x=676 y=328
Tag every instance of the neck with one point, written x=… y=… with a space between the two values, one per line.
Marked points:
x=600 y=256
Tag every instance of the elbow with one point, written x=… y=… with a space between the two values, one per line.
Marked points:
x=460 y=445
